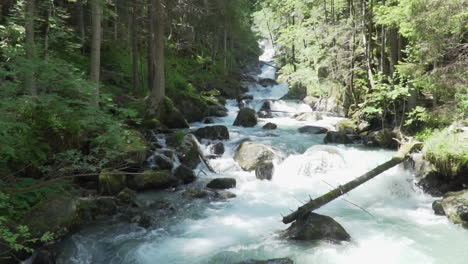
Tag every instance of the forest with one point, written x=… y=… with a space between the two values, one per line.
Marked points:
x=118 y=115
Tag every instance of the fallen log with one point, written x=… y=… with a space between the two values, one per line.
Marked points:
x=312 y=205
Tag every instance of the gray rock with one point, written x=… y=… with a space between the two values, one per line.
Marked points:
x=267 y=82
x=218 y=148
x=316 y=227
x=222 y=183
x=337 y=138
x=265 y=170
x=313 y=130
x=270 y=126
x=246 y=118
x=455 y=206
x=162 y=162
x=212 y=132
x=185 y=174
x=265 y=114
x=250 y=154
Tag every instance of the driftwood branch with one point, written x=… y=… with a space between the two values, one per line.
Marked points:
x=315 y=204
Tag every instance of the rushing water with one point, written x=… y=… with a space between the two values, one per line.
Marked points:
x=398 y=227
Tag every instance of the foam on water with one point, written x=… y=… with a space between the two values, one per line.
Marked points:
x=397 y=227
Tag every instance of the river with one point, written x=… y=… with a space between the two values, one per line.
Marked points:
x=398 y=227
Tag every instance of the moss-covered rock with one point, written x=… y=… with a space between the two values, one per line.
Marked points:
x=187 y=150
x=455 y=206
x=111 y=182
x=222 y=183
x=184 y=174
x=347 y=126
x=384 y=138
x=212 y=132
x=151 y=180
x=136 y=147
x=250 y=154
x=171 y=117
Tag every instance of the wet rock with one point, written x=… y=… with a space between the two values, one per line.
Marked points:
x=337 y=138
x=218 y=148
x=308 y=116
x=111 y=182
x=222 y=183
x=186 y=147
x=142 y=220
x=171 y=117
x=161 y=205
x=244 y=97
x=185 y=174
x=200 y=193
x=313 y=130
x=45 y=255
x=167 y=152
x=246 y=118
x=250 y=154
x=270 y=126
x=224 y=195
x=265 y=114
x=316 y=227
x=347 y=126
x=212 y=132
x=384 y=138
x=264 y=170
x=127 y=196
x=195 y=193
x=363 y=126
x=208 y=120
x=151 y=180
x=212 y=156
x=455 y=206
x=267 y=82
x=266 y=106
x=162 y=162
x=136 y=148
x=270 y=261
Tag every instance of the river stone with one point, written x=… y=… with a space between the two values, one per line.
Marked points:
x=212 y=132
x=218 y=148
x=246 y=118
x=185 y=174
x=308 y=116
x=270 y=261
x=111 y=182
x=265 y=114
x=244 y=97
x=265 y=170
x=312 y=130
x=186 y=146
x=250 y=154
x=162 y=162
x=384 y=138
x=151 y=180
x=222 y=183
x=195 y=193
x=170 y=116
x=337 y=138
x=224 y=195
x=208 y=120
x=270 y=126
x=455 y=206
x=267 y=82
x=266 y=106
x=316 y=227
x=127 y=196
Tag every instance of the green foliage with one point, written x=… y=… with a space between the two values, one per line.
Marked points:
x=448 y=151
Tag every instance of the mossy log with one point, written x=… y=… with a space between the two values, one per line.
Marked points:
x=315 y=204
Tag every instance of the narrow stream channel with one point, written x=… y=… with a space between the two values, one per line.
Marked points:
x=402 y=227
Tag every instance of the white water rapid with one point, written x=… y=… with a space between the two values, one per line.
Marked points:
x=401 y=230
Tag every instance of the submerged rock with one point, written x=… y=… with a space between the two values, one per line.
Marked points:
x=316 y=227
x=270 y=126
x=267 y=82
x=270 y=261
x=250 y=154
x=151 y=180
x=212 y=132
x=222 y=183
x=265 y=170
x=455 y=206
x=337 y=138
x=312 y=130
x=185 y=174
x=246 y=118
x=218 y=148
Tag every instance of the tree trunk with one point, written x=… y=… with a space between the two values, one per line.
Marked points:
x=134 y=40
x=30 y=82
x=81 y=25
x=315 y=204
x=394 y=47
x=158 y=89
x=96 y=19
x=366 y=43
x=47 y=31
x=150 y=40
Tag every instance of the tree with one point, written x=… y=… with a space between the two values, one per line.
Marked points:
x=96 y=19
x=157 y=43
x=30 y=82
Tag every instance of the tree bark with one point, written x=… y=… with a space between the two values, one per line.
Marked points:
x=96 y=19
x=134 y=43
x=315 y=204
x=30 y=47
x=158 y=89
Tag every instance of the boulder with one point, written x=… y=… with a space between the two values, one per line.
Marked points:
x=171 y=117
x=246 y=118
x=270 y=126
x=208 y=120
x=244 y=97
x=151 y=180
x=250 y=154
x=185 y=174
x=264 y=170
x=127 y=196
x=347 y=126
x=212 y=132
x=161 y=162
x=265 y=114
x=218 y=148
x=337 y=138
x=224 y=195
x=270 y=261
x=363 y=126
x=316 y=227
x=266 y=106
x=383 y=139
x=195 y=193
x=308 y=116
x=222 y=183
x=111 y=182
x=136 y=147
x=313 y=130
x=455 y=206
x=200 y=193
x=186 y=147
x=267 y=82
